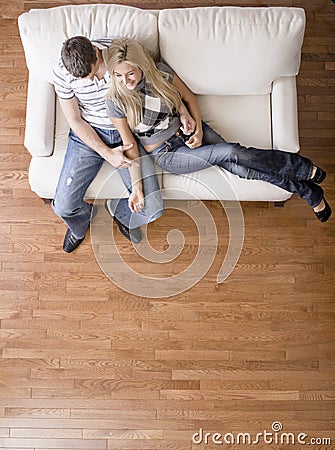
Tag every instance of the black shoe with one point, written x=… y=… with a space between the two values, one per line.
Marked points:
x=70 y=242
x=94 y=212
x=319 y=175
x=325 y=213
x=134 y=235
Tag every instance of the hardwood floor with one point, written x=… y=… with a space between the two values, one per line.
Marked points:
x=85 y=365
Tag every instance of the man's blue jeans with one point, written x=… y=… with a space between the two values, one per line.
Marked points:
x=290 y=171
x=81 y=165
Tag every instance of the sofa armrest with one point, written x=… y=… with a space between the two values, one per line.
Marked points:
x=40 y=117
x=285 y=135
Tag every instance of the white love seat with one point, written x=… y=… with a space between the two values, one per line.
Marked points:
x=240 y=62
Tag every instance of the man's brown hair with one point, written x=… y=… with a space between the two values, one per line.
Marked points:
x=78 y=56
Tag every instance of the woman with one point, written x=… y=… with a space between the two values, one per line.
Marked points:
x=146 y=100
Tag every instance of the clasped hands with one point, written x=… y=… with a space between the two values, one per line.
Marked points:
x=188 y=126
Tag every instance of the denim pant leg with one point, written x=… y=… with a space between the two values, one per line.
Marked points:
x=153 y=202
x=212 y=137
x=311 y=192
x=278 y=163
x=286 y=170
x=80 y=166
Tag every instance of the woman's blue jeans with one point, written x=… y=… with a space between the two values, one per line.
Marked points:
x=81 y=165
x=290 y=171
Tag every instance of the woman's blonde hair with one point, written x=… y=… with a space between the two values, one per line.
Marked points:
x=129 y=101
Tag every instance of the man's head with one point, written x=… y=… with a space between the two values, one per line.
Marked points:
x=79 y=56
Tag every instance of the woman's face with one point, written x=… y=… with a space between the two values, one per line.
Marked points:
x=127 y=74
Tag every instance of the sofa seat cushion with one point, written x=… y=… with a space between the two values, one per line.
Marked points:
x=243 y=119
x=218 y=184
x=246 y=119
x=44 y=171
x=239 y=118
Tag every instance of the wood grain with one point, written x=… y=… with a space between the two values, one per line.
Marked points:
x=85 y=365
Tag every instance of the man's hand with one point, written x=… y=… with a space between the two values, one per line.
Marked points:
x=117 y=158
x=85 y=132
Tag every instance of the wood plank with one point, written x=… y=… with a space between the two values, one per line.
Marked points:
x=85 y=365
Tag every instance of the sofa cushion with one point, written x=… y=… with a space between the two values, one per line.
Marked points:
x=44 y=171
x=44 y=30
x=238 y=118
x=231 y=50
x=219 y=184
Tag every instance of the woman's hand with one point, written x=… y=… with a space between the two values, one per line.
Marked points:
x=189 y=106
x=131 y=154
x=196 y=139
x=188 y=126
x=136 y=200
x=187 y=122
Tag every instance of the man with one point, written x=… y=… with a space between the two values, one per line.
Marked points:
x=81 y=81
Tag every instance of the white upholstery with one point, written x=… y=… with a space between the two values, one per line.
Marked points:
x=241 y=63
x=44 y=30
x=284 y=115
x=40 y=117
x=232 y=51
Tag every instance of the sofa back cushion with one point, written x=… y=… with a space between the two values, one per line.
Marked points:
x=44 y=30
x=232 y=50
